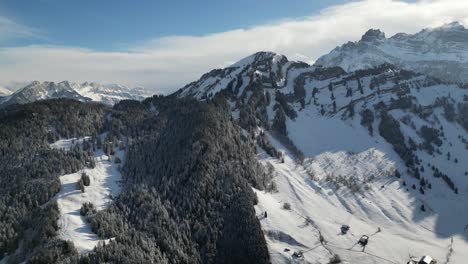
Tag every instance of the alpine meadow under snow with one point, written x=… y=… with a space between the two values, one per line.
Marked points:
x=360 y=158
x=104 y=185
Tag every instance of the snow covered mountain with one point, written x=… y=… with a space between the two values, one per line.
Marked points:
x=441 y=52
x=107 y=94
x=382 y=150
x=43 y=90
x=110 y=94
x=4 y=91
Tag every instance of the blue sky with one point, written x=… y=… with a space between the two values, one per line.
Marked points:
x=165 y=45
x=118 y=24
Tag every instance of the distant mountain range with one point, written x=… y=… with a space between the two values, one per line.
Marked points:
x=441 y=52
x=107 y=94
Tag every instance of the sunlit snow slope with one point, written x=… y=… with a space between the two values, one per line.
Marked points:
x=382 y=209
x=377 y=149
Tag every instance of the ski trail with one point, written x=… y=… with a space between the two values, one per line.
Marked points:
x=105 y=178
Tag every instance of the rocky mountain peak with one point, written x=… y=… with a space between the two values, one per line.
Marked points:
x=441 y=52
x=452 y=26
x=372 y=35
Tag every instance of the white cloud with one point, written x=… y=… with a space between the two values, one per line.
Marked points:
x=10 y=30
x=168 y=63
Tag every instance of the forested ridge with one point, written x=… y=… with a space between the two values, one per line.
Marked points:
x=187 y=180
x=187 y=196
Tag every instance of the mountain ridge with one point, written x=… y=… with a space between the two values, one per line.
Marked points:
x=319 y=128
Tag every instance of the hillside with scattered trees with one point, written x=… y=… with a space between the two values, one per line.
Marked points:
x=29 y=172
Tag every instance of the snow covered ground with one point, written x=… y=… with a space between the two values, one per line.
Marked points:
x=105 y=179
x=67 y=144
x=385 y=211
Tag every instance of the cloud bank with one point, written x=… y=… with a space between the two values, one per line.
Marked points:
x=165 y=64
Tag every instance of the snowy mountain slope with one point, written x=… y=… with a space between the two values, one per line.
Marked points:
x=107 y=94
x=319 y=209
x=385 y=146
x=440 y=52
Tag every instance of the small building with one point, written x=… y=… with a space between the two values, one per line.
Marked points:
x=363 y=240
x=427 y=260
x=344 y=229
x=298 y=255
x=423 y=260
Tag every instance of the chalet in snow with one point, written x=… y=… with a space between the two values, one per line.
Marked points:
x=423 y=260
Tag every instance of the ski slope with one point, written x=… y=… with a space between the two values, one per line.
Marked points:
x=104 y=185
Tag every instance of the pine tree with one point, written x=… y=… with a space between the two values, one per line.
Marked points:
x=85 y=179
x=360 y=86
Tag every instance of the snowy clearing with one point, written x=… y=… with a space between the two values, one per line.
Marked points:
x=105 y=179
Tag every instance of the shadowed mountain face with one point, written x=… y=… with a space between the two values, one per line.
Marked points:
x=440 y=52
